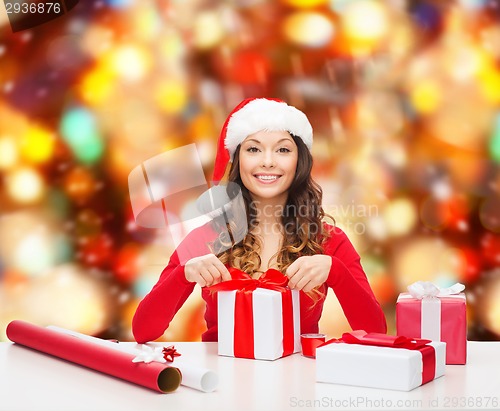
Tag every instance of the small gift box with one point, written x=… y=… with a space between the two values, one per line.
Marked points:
x=430 y=312
x=380 y=361
x=257 y=318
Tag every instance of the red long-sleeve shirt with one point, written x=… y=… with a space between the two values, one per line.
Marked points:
x=346 y=278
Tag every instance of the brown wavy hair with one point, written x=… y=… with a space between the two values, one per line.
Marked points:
x=304 y=232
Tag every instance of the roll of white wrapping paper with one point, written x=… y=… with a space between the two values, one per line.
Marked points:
x=199 y=378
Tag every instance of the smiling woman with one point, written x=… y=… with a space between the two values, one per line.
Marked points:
x=268 y=160
x=268 y=144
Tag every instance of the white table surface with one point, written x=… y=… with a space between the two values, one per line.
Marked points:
x=30 y=380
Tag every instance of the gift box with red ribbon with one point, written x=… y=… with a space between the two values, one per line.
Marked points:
x=257 y=318
x=380 y=361
x=436 y=314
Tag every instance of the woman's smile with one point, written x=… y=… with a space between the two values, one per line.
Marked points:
x=267 y=178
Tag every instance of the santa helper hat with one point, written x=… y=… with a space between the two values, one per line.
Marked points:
x=253 y=115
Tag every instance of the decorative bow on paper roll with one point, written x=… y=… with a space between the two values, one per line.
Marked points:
x=383 y=340
x=426 y=289
x=244 y=285
x=149 y=354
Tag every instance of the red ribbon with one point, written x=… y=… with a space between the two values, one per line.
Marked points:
x=310 y=342
x=384 y=340
x=243 y=312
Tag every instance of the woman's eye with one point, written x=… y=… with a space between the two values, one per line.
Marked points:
x=284 y=150
x=252 y=149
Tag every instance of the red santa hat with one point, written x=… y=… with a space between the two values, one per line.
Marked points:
x=253 y=115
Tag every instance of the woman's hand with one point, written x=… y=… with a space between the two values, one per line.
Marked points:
x=308 y=272
x=206 y=270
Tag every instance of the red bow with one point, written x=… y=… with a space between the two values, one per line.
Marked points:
x=272 y=280
x=380 y=340
x=169 y=353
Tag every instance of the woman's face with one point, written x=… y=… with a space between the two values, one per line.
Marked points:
x=268 y=160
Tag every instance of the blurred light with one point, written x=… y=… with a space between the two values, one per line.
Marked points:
x=434 y=213
x=125 y=264
x=426 y=15
x=441 y=189
x=376 y=228
x=137 y=117
x=471 y=265
x=489 y=213
x=127 y=314
x=25 y=185
x=365 y=23
x=208 y=29
x=78 y=128
x=463 y=120
x=306 y=3
x=119 y=4
x=339 y=6
x=147 y=22
x=489 y=303
x=79 y=184
x=57 y=202
x=400 y=216
x=426 y=259
x=130 y=62
x=494 y=144
x=33 y=255
x=68 y=297
x=172 y=47
x=490 y=249
x=37 y=144
x=465 y=61
x=490 y=38
x=171 y=96
x=97 y=251
x=394 y=154
x=426 y=96
x=96 y=40
x=8 y=152
x=309 y=29
x=63 y=52
x=382 y=285
x=97 y=85
x=88 y=223
x=335 y=323
x=457 y=210
x=31 y=243
x=152 y=259
x=472 y=4
x=380 y=113
x=489 y=83
x=246 y=67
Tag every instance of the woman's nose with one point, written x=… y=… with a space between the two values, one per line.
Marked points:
x=268 y=159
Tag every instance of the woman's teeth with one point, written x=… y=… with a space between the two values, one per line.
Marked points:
x=268 y=178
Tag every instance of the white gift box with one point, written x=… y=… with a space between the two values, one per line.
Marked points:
x=374 y=366
x=267 y=323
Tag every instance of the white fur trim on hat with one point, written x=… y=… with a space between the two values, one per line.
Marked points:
x=263 y=114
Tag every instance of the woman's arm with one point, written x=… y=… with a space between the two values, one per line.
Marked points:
x=349 y=282
x=156 y=310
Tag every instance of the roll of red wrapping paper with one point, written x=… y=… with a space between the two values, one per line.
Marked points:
x=310 y=342
x=155 y=375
